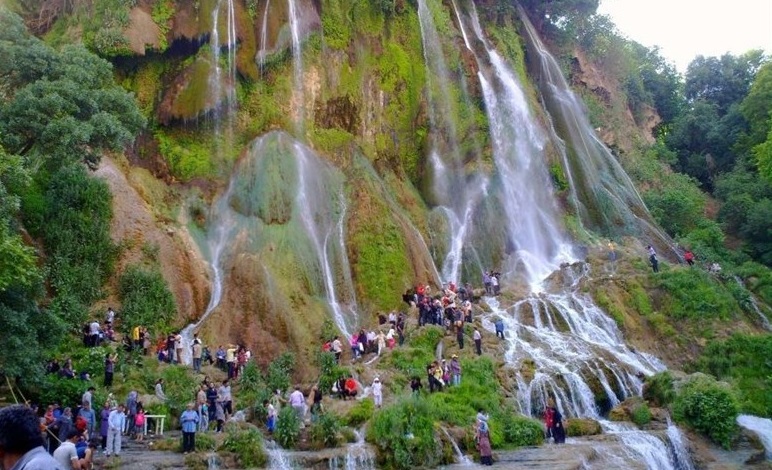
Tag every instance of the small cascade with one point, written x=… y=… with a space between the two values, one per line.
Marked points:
x=680 y=454
x=603 y=195
x=754 y=305
x=263 y=38
x=359 y=456
x=218 y=237
x=460 y=456
x=212 y=462
x=223 y=86
x=657 y=452
x=522 y=179
x=762 y=427
x=277 y=457
x=454 y=191
x=325 y=227
x=297 y=66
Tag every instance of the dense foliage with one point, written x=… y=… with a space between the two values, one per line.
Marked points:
x=745 y=362
x=709 y=407
x=145 y=298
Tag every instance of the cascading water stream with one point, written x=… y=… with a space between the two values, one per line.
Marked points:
x=462 y=459
x=297 y=64
x=327 y=240
x=359 y=456
x=277 y=457
x=525 y=189
x=561 y=345
x=456 y=193
x=755 y=306
x=263 y=38
x=602 y=193
x=762 y=427
x=217 y=240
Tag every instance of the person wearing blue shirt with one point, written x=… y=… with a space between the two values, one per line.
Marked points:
x=189 y=421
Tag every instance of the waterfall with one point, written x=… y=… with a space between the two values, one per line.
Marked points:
x=263 y=38
x=359 y=456
x=762 y=427
x=754 y=305
x=277 y=457
x=327 y=238
x=602 y=194
x=218 y=238
x=455 y=193
x=298 y=98
x=680 y=454
x=216 y=77
x=525 y=188
x=462 y=459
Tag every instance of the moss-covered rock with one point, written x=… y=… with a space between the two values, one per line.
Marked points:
x=576 y=427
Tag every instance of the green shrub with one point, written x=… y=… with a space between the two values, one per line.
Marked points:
x=641 y=414
x=329 y=371
x=146 y=299
x=404 y=435
x=325 y=431
x=287 y=428
x=659 y=389
x=709 y=407
x=204 y=442
x=247 y=445
x=744 y=361
x=180 y=388
x=515 y=430
x=360 y=413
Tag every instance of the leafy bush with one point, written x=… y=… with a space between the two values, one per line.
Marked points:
x=360 y=413
x=582 y=427
x=329 y=370
x=641 y=414
x=324 y=432
x=514 y=430
x=247 y=445
x=404 y=435
x=743 y=360
x=287 y=428
x=179 y=387
x=145 y=298
x=659 y=389
x=709 y=407
x=204 y=442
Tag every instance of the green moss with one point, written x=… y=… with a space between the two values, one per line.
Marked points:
x=188 y=154
x=330 y=141
x=611 y=307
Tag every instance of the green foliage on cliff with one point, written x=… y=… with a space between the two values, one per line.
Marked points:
x=709 y=407
x=404 y=435
x=188 y=154
x=696 y=295
x=744 y=361
x=247 y=445
x=145 y=299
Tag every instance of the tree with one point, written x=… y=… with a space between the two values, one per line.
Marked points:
x=722 y=81
x=60 y=106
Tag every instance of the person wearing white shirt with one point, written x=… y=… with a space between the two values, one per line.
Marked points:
x=298 y=403
x=66 y=454
x=337 y=348
x=377 y=392
x=115 y=424
x=477 y=337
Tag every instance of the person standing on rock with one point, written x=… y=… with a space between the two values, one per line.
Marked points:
x=270 y=420
x=377 y=392
x=110 y=360
x=337 y=349
x=558 y=431
x=653 y=259
x=477 y=337
x=224 y=392
x=499 y=327
x=189 y=421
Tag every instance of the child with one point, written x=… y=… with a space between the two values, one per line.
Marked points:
x=139 y=424
x=270 y=416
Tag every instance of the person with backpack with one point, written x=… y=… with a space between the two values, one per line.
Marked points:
x=86 y=420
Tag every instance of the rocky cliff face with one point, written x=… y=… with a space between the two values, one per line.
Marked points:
x=347 y=80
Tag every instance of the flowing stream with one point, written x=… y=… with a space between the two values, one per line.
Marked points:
x=299 y=105
x=560 y=344
x=277 y=457
x=456 y=193
x=263 y=38
x=762 y=427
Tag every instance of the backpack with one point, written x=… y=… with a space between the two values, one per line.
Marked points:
x=80 y=423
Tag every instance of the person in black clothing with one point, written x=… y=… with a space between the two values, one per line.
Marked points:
x=558 y=431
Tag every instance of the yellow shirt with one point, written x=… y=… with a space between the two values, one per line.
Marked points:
x=230 y=355
x=135 y=333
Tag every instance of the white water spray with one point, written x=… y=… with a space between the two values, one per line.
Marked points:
x=762 y=427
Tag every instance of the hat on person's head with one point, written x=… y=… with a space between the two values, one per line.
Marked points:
x=455 y=356
x=377 y=379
